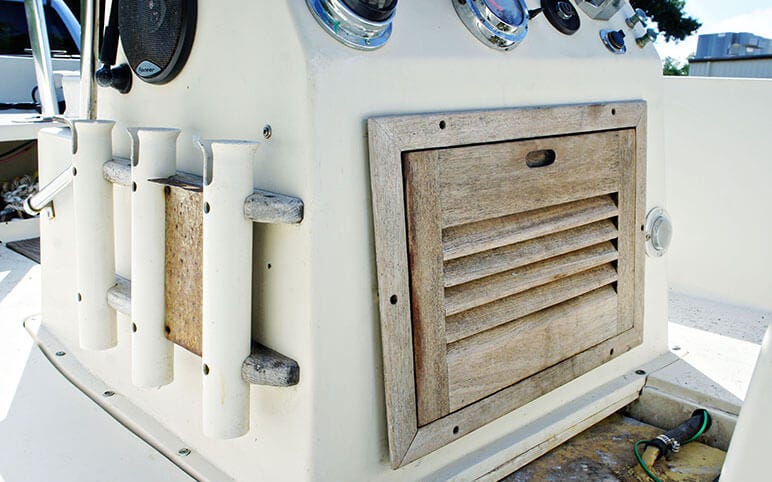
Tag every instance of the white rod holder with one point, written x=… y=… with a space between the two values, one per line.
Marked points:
x=227 y=286
x=94 y=241
x=154 y=156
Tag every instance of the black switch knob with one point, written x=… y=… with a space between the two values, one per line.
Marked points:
x=119 y=78
x=373 y=10
x=617 y=39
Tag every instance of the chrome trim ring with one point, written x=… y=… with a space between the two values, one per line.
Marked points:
x=349 y=28
x=609 y=45
x=488 y=27
x=658 y=232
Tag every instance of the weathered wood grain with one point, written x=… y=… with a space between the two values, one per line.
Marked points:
x=269 y=368
x=423 y=131
x=269 y=207
x=263 y=366
x=491 y=315
x=493 y=180
x=393 y=288
x=485 y=363
x=261 y=206
x=480 y=265
x=184 y=264
x=118 y=171
x=424 y=230
x=494 y=233
x=392 y=137
x=477 y=293
x=463 y=421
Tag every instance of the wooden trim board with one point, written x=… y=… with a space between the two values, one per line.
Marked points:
x=414 y=430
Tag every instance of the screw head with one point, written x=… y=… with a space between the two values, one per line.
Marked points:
x=184 y=451
x=60 y=353
x=640 y=372
x=108 y=393
x=267 y=131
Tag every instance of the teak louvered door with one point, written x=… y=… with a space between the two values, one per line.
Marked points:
x=514 y=268
x=517 y=265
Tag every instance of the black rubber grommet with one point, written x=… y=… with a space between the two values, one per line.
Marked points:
x=562 y=15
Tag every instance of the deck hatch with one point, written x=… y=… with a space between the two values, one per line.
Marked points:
x=509 y=262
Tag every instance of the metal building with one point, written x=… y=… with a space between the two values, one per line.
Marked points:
x=732 y=54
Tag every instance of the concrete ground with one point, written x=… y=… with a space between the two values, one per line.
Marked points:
x=719 y=340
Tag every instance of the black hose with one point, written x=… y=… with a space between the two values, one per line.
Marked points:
x=689 y=430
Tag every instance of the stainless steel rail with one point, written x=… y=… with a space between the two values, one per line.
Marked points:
x=41 y=54
x=89 y=45
x=41 y=200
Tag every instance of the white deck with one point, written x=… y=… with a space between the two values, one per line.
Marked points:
x=20 y=126
x=49 y=430
x=48 y=426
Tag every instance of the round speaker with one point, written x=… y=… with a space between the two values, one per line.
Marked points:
x=156 y=36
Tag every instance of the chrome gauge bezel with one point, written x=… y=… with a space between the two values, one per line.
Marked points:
x=490 y=29
x=349 y=28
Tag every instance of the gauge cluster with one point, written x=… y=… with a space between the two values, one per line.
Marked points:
x=498 y=24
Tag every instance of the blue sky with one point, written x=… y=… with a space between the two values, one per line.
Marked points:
x=754 y=16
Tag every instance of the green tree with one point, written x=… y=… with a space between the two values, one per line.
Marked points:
x=673 y=23
x=672 y=67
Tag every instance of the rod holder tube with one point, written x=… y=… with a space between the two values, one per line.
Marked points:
x=227 y=286
x=41 y=54
x=154 y=156
x=94 y=240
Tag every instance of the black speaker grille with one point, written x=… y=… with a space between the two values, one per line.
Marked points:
x=156 y=36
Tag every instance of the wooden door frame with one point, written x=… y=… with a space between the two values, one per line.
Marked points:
x=389 y=138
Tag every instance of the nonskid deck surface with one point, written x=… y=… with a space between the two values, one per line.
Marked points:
x=48 y=428
x=720 y=340
x=604 y=454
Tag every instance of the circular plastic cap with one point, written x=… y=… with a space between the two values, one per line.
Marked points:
x=659 y=232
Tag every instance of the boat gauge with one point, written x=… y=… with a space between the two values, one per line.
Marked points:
x=361 y=24
x=600 y=9
x=499 y=24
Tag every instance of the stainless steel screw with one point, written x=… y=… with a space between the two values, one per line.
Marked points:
x=184 y=452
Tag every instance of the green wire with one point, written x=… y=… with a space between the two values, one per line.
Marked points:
x=702 y=429
x=643 y=464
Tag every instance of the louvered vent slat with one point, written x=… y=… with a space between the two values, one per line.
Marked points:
x=468 y=323
x=494 y=359
x=476 y=293
x=494 y=233
x=480 y=265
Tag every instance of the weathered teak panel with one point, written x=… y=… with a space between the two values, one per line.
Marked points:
x=184 y=275
x=509 y=259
